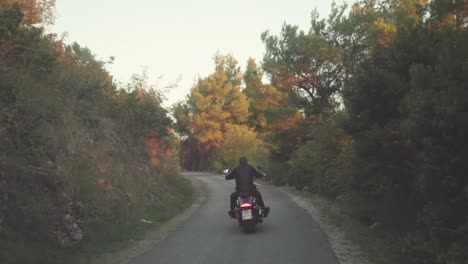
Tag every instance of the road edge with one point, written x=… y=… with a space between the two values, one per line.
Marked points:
x=345 y=250
x=159 y=233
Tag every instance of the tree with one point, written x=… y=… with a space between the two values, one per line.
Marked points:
x=261 y=96
x=407 y=104
x=315 y=64
x=35 y=11
x=241 y=141
x=449 y=14
x=77 y=155
x=271 y=114
x=214 y=103
x=323 y=164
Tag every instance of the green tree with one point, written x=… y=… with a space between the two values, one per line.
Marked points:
x=271 y=114
x=407 y=105
x=313 y=65
x=323 y=164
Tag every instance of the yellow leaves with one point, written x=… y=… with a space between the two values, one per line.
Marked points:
x=287 y=122
x=453 y=15
x=383 y=19
x=238 y=108
x=207 y=130
x=386 y=31
x=241 y=141
x=215 y=102
x=409 y=12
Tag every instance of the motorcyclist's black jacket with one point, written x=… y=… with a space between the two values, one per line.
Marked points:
x=244 y=176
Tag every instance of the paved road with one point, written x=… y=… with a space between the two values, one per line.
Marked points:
x=288 y=236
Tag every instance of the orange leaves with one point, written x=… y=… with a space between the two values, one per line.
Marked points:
x=287 y=122
x=153 y=148
x=283 y=78
x=157 y=152
x=35 y=11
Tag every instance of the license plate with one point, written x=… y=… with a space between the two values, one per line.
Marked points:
x=246 y=214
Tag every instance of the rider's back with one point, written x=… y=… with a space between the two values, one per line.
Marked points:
x=244 y=179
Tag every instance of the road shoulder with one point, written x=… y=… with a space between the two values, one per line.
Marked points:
x=345 y=250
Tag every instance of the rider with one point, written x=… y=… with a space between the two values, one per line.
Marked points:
x=244 y=175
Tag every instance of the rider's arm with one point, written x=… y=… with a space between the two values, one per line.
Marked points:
x=256 y=173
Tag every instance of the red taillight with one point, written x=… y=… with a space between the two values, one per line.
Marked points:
x=244 y=205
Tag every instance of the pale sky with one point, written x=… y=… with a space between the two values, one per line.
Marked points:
x=177 y=38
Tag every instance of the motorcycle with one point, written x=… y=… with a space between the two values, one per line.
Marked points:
x=248 y=213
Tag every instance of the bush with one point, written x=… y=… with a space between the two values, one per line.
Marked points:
x=323 y=164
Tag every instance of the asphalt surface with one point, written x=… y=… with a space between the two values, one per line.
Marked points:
x=289 y=235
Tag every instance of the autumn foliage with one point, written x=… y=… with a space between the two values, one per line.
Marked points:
x=367 y=107
x=33 y=11
x=82 y=159
x=215 y=102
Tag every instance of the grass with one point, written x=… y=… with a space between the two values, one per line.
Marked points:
x=103 y=235
x=172 y=200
